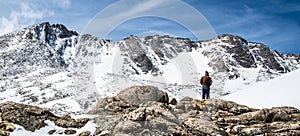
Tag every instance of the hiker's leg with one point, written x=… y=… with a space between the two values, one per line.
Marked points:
x=203 y=93
x=208 y=92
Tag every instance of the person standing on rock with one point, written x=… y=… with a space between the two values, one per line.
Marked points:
x=206 y=82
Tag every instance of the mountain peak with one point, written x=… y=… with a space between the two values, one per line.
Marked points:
x=233 y=39
x=59 y=29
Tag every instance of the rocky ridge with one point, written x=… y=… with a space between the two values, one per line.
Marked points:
x=122 y=116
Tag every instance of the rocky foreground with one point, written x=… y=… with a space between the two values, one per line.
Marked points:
x=33 y=118
x=146 y=110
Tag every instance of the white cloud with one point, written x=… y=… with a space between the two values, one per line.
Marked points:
x=27 y=15
x=62 y=3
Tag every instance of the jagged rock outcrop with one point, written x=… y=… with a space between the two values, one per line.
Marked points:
x=33 y=118
x=190 y=117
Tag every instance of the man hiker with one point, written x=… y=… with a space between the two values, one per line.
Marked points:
x=206 y=82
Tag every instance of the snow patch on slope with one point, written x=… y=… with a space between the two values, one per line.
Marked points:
x=281 y=91
x=20 y=131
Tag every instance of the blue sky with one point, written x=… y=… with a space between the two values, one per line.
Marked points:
x=275 y=23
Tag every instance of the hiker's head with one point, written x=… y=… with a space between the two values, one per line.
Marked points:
x=206 y=73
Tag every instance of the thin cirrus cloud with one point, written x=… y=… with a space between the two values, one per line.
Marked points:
x=116 y=15
x=62 y=3
x=121 y=12
x=151 y=26
x=274 y=23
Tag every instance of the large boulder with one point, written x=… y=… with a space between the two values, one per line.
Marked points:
x=129 y=98
x=128 y=107
x=136 y=95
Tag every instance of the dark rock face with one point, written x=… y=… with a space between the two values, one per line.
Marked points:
x=266 y=57
x=191 y=117
x=143 y=62
x=33 y=118
x=137 y=54
x=165 y=47
x=239 y=50
x=52 y=32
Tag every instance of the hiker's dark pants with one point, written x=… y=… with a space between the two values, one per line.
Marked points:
x=205 y=92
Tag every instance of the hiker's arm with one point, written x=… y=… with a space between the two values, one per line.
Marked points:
x=201 y=80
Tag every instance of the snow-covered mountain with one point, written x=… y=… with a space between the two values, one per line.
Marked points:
x=53 y=67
